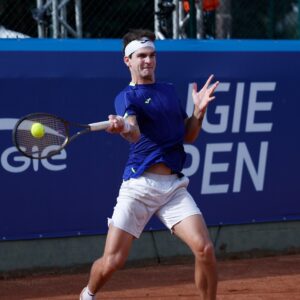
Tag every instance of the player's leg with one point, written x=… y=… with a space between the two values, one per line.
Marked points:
x=193 y=231
x=117 y=246
x=135 y=206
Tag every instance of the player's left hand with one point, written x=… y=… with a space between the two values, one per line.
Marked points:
x=202 y=98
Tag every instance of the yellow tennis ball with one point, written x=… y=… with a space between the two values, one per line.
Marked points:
x=37 y=130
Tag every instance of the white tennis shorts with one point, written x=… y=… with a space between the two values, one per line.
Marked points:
x=140 y=198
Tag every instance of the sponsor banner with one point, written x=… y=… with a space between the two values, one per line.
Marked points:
x=243 y=168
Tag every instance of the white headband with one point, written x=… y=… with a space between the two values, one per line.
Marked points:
x=138 y=44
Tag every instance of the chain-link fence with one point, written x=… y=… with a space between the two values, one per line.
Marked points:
x=266 y=19
x=242 y=19
x=99 y=18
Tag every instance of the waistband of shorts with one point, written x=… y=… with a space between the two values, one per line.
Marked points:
x=159 y=177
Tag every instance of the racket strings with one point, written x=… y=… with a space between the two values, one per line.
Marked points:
x=54 y=138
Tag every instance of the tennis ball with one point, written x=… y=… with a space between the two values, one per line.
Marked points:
x=37 y=130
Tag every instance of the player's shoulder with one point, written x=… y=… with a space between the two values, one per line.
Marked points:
x=166 y=87
x=128 y=93
x=165 y=84
x=124 y=90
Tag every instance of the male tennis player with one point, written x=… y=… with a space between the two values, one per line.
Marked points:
x=156 y=127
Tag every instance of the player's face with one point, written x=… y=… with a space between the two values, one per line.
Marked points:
x=142 y=65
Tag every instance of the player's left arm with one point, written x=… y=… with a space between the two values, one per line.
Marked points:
x=201 y=99
x=127 y=127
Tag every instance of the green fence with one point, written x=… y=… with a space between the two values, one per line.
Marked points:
x=265 y=19
x=238 y=19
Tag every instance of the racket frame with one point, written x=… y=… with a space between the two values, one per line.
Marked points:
x=67 y=124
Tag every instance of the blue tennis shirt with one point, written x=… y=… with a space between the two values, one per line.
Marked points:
x=161 y=121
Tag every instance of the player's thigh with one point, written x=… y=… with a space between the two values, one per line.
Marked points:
x=178 y=208
x=118 y=242
x=193 y=231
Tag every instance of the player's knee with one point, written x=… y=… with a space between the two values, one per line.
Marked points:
x=114 y=262
x=205 y=253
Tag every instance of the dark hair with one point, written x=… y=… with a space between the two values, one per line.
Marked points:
x=137 y=34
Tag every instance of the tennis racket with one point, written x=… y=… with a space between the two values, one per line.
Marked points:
x=53 y=135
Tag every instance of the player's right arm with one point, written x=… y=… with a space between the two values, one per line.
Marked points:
x=127 y=127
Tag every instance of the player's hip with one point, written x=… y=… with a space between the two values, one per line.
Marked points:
x=153 y=189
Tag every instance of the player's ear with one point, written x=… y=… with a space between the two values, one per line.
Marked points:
x=127 y=61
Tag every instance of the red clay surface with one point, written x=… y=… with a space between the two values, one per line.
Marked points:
x=272 y=278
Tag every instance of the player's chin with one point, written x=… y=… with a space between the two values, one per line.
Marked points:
x=148 y=76
x=147 y=72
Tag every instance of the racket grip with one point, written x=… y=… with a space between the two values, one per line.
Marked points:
x=99 y=125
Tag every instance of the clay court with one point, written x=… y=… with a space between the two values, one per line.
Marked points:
x=271 y=278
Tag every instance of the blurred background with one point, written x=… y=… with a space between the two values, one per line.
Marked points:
x=244 y=172
x=170 y=19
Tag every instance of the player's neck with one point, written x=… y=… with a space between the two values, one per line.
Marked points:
x=144 y=80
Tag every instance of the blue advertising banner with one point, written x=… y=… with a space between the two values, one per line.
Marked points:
x=243 y=168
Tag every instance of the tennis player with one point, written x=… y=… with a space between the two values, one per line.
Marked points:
x=156 y=127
